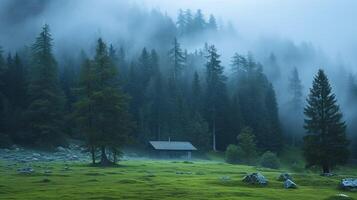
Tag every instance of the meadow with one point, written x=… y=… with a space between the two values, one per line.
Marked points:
x=159 y=179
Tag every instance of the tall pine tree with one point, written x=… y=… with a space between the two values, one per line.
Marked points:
x=325 y=144
x=44 y=113
x=102 y=109
x=216 y=95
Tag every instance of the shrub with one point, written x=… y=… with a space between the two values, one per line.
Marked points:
x=232 y=154
x=270 y=160
x=246 y=146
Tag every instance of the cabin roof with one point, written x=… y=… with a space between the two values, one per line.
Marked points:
x=172 y=145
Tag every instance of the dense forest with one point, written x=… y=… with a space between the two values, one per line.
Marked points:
x=114 y=95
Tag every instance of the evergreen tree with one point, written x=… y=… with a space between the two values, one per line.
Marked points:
x=15 y=92
x=273 y=70
x=212 y=23
x=274 y=138
x=216 y=98
x=181 y=22
x=177 y=59
x=44 y=113
x=257 y=102
x=84 y=112
x=199 y=23
x=295 y=119
x=325 y=144
x=189 y=22
x=4 y=138
x=296 y=90
x=103 y=106
x=196 y=94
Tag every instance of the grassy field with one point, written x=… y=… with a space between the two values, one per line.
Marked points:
x=148 y=179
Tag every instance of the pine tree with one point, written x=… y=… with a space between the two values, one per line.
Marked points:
x=177 y=59
x=273 y=72
x=84 y=111
x=189 y=22
x=4 y=138
x=212 y=23
x=295 y=118
x=325 y=144
x=274 y=139
x=256 y=97
x=215 y=92
x=103 y=107
x=44 y=113
x=199 y=23
x=196 y=94
x=15 y=92
x=296 y=90
x=181 y=22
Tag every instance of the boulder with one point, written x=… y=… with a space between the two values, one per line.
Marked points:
x=284 y=177
x=349 y=184
x=255 y=179
x=289 y=184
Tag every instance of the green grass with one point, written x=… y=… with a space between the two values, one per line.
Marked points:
x=160 y=180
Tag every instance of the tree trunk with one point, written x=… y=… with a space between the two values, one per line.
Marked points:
x=104 y=161
x=92 y=151
x=214 y=135
x=326 y=169
x=115 y=160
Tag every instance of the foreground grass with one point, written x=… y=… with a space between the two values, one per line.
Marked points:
x=159 y=180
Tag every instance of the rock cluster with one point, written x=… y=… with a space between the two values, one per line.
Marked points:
x=20 y=155
x=349 y=184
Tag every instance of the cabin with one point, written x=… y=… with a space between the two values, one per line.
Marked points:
x=172 y=149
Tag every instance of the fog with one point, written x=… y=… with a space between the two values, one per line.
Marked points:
x=308 y=34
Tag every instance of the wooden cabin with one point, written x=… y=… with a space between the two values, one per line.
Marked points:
x=172 y=149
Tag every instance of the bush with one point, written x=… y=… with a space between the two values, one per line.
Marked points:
x=232 y=154
x=246 y=146
x=270 y=160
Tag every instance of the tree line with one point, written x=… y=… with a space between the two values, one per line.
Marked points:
x=110 y=100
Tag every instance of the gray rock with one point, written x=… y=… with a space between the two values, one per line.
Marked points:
x=289 y=184
x=255 y=179
x=349 y=184
x=284 y=177
x=48 y=171
x=26 y=170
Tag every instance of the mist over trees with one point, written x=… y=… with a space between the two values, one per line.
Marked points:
x=169 y=80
